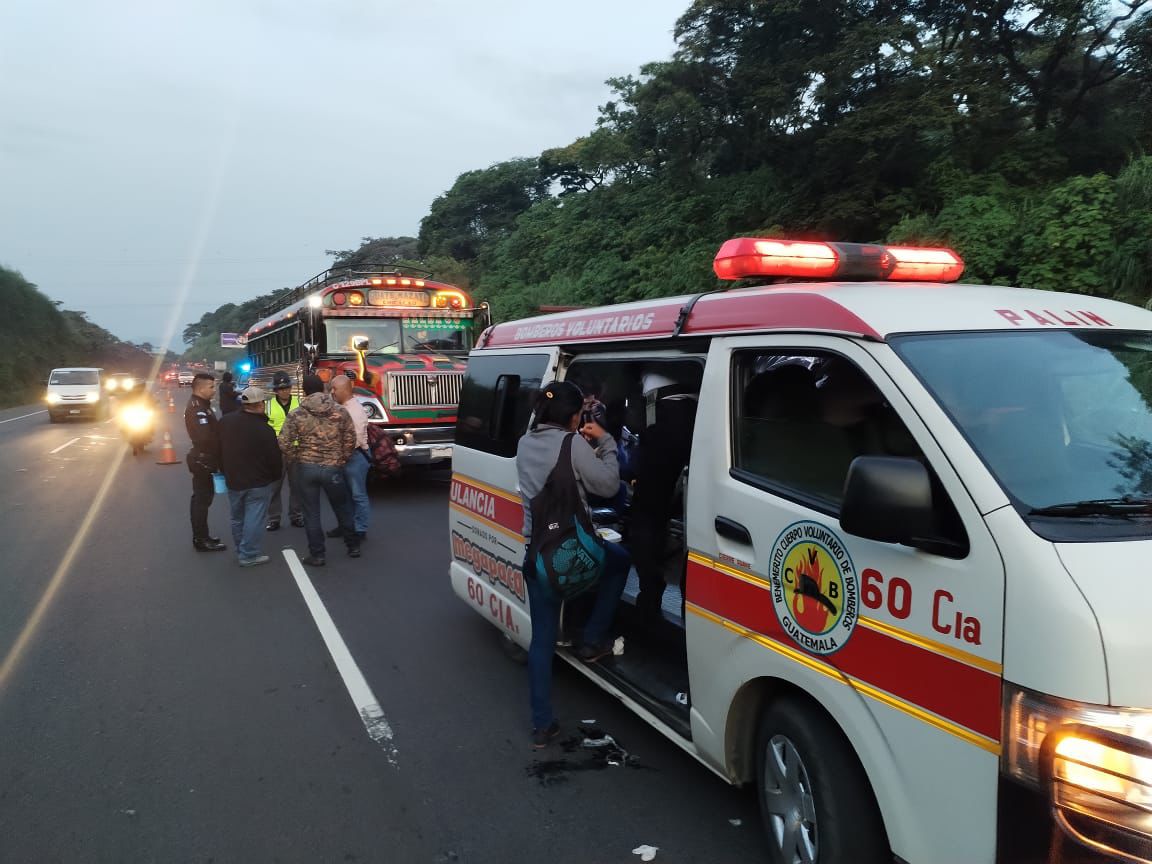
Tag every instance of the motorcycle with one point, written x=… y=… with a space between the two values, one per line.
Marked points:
x=137 y=425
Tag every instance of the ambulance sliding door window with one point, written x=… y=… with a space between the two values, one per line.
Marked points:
x=496 y=401
x=800 y=419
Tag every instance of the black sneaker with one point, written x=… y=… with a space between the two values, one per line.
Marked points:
x=334 y=533
x=353 y=551
x=298 y=521
x=313 y=561
x=541 y=738
x=273 y=525
x=207 y=544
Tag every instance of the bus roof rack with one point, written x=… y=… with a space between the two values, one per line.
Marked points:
x=335 y=274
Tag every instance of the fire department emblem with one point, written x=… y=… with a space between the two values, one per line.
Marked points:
x=815 y=591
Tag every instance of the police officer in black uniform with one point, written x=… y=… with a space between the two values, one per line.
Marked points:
x=203 y=459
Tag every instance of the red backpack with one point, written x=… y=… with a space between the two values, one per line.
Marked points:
x=384 y=460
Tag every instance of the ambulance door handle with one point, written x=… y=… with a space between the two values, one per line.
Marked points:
x=733 y=530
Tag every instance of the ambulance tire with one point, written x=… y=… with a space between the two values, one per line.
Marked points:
x=823 y=783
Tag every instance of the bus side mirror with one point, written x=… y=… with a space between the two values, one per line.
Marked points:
x=360 y=343
x=887 y=499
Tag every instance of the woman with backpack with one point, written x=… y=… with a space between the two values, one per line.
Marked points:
x=546 y=483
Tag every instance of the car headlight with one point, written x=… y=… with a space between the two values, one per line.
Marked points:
x=1031 y=717
x=111 y=385
x=1092 y=762
x=53 y=398
x=92 y=397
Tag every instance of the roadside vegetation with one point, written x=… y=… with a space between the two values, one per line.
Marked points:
x=39 y=336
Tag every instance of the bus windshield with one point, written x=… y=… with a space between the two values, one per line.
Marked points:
x=383 y=335
x=396 y=336
x=1063 y=419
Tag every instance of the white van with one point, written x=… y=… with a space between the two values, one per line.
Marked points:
x=75 y=391
x=903 y=556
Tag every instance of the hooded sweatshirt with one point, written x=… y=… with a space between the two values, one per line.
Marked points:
x=596 y=470
x=319 y=432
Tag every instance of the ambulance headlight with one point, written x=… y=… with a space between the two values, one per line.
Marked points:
x=1114 y=767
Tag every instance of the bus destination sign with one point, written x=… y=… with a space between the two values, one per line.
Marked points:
x=409 y=299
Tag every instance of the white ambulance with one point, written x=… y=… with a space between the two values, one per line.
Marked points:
x=902 y=559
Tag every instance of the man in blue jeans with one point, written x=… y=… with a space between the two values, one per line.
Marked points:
x=319 y=438
x=356 y=468
x=251 y=462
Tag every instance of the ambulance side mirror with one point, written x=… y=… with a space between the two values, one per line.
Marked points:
x=887 y=499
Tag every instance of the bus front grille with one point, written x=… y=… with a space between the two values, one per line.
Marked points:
x=424 y=389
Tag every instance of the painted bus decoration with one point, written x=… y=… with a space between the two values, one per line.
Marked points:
x=402 y=338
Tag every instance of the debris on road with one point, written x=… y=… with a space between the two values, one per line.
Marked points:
x=646 y=853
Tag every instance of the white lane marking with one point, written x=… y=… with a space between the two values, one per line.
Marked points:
x=62 y=446
x=22 y=416
x=362 y=696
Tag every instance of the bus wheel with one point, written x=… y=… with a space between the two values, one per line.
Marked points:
x=815 y=800
x=512 y=650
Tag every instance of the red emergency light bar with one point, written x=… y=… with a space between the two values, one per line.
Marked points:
x=749 y=257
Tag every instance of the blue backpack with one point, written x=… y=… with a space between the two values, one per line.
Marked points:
x=568 y=554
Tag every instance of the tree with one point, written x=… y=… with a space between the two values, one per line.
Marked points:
x=375 y=253
x=480 y=207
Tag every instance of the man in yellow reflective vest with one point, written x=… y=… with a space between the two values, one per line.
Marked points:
x=283 y=402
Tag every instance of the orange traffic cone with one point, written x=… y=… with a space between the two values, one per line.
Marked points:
x=168 y=452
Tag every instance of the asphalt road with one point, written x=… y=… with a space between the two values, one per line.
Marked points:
x=160 y=704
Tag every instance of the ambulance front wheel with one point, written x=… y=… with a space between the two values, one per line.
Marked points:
x=815 y=800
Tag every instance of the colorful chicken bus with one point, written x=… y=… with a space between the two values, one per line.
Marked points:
x=402 y=338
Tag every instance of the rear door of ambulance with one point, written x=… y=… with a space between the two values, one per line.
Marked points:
x=485 y=515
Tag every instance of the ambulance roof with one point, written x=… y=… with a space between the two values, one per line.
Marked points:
x=872 y=310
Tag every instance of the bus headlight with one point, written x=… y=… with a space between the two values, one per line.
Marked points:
x=374 y=410
x=1081 y=761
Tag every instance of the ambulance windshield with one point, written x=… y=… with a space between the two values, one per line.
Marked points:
x=1062 y=418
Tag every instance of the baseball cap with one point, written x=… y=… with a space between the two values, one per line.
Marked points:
x=281 y=379
x=252 y=395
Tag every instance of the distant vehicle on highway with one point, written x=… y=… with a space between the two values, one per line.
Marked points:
x=185 y=376
x=75 y=392
x=120 y=382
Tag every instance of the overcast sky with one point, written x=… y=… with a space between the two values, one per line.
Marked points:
x=159 y=159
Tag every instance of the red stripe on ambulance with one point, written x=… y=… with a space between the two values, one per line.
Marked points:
x=487 y=504
x=932 y=681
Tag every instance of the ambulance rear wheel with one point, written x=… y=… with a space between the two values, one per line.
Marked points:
x=815 y=801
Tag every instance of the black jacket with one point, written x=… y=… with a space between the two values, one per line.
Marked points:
x=250 y=455
x=229 y=402
x=203 y=428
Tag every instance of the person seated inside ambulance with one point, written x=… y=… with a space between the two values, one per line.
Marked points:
x=657 y=545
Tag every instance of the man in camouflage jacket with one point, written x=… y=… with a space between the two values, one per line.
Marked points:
x=319 y=438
